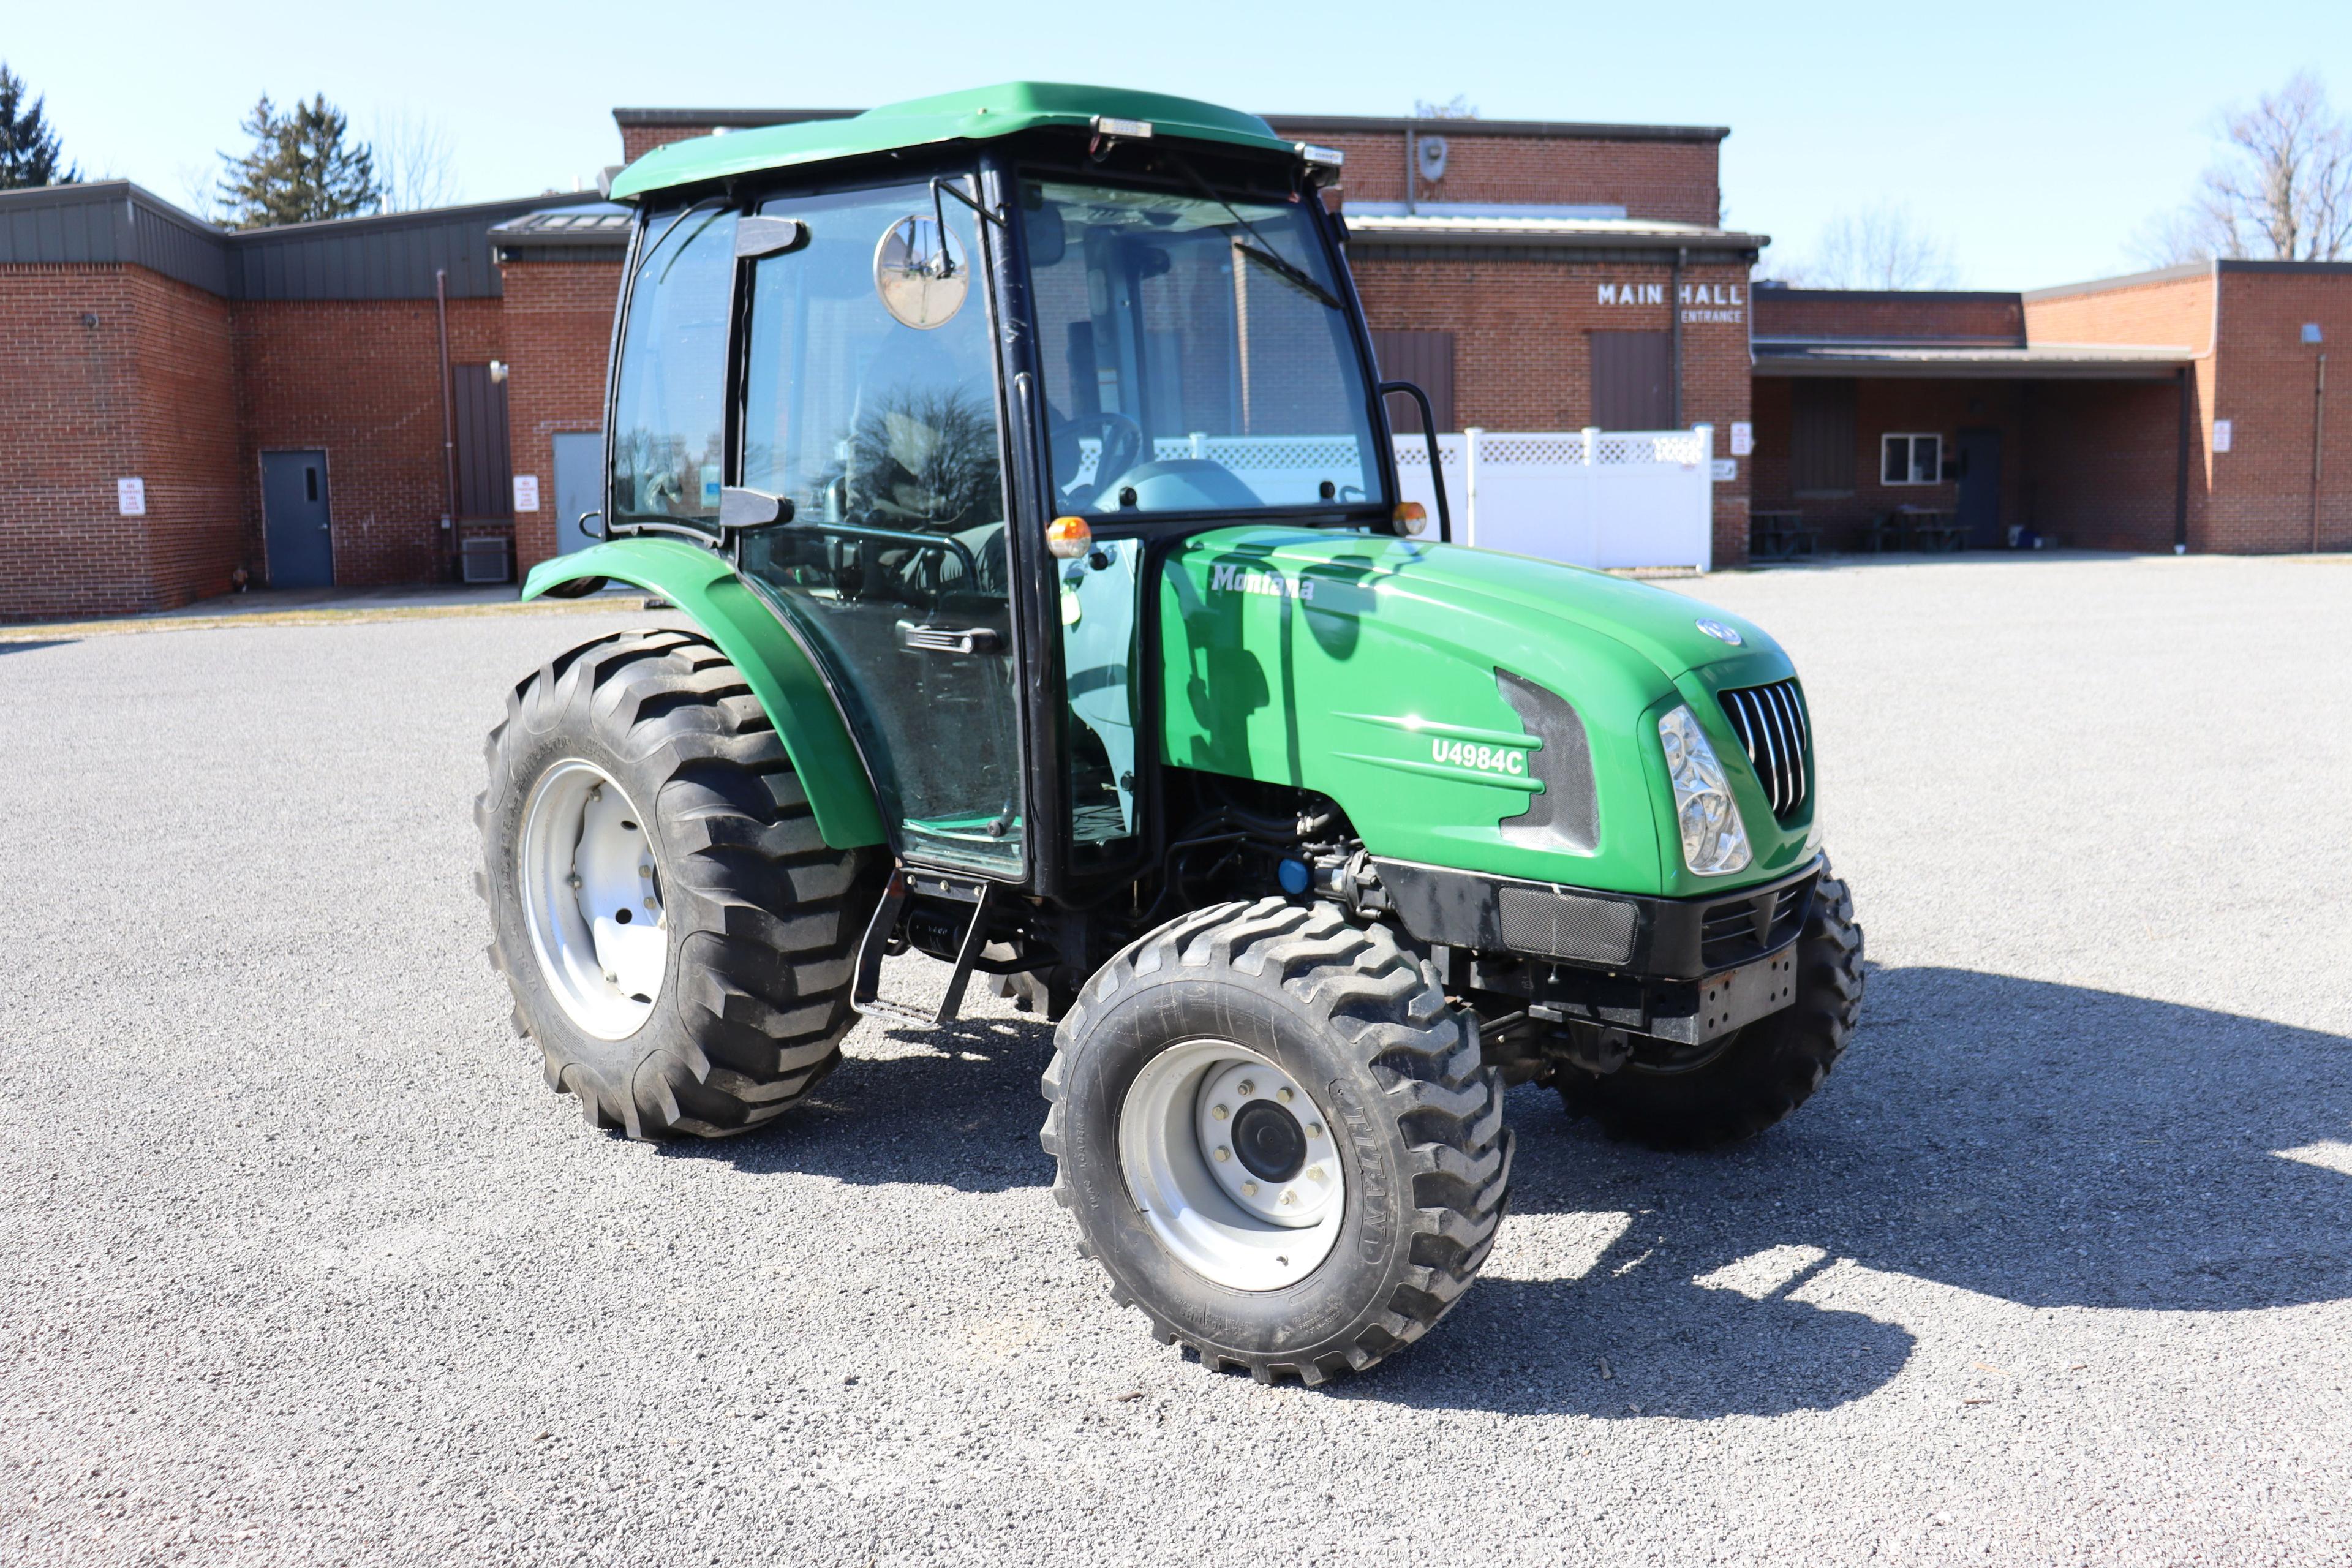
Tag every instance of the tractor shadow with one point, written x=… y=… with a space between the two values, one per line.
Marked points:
x=2046 y=1145
x=957 y=1108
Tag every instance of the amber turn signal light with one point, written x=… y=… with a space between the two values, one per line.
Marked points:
x=1411 y=517
x=1069 y=538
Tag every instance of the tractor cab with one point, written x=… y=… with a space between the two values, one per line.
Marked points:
x=939 y=401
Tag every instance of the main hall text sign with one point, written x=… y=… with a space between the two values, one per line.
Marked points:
x=1700 y=301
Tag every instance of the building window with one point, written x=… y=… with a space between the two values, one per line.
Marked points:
x=1906 y=459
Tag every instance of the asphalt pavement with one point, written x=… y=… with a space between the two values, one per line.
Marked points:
x=300 y=1262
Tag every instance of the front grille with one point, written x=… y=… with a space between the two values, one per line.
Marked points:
x=1561 y=924
x=1771 y=725
x=1745 y=928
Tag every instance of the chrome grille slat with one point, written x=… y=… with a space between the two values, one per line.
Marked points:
x=1773 y=729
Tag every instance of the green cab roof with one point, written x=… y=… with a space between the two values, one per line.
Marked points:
x=977 y=114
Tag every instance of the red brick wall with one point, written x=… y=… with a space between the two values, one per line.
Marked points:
x=362 y=380
x=197 y=532
x=1890 y=407
x=2106 y=460
x=559 y=329
x=636 y=141
x=1673 y=181
x=107 y=372
x=2261 y=498
x=1883 y=317
x=1522 y=361
x=2177 y=312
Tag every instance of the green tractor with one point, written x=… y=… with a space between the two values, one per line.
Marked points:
x=1020 y=459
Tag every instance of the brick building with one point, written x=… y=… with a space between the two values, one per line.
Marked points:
x=356 y=401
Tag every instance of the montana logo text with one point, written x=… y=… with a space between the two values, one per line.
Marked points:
x=1241 y=580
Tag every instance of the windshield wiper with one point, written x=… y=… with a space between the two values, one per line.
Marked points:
x=1288 y=273
x=1262 y=252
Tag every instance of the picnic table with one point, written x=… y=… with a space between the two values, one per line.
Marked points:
x=1917 y=528
x=1778 y=535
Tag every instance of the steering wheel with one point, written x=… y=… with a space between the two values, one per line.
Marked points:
x=1122 y=446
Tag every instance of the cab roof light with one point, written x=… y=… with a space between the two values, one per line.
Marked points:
x=1326 y=157
x=1105 y=125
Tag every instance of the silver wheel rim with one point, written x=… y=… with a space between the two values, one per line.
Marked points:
x=1195 y=1133
x=591 y=897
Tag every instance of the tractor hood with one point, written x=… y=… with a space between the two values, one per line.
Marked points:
x=1465 y=708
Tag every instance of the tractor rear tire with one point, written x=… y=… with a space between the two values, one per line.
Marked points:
x=637 y=779
x=1769 y=1068
x=1340 y=1051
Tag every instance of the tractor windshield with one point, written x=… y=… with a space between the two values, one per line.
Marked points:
x=1197 y=357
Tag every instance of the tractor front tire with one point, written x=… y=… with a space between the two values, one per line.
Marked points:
x=1277 y=1138
x=678 y=935
x=1764 y=1072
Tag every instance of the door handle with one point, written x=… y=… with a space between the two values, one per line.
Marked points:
x=928 y=637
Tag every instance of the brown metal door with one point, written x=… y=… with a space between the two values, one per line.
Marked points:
x=1426 y=359
x=1820 y=437
x=485 y=464
x=1634 y=381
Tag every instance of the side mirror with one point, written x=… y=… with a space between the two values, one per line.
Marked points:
x=740 y=508
x=759 y=236
x=920 y=272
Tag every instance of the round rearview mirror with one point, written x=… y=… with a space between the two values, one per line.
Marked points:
x=920 y=272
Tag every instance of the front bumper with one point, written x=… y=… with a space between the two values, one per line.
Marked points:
x=1681 y=971
x=1624 y=934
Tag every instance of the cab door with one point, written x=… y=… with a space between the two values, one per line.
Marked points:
x=869 y=400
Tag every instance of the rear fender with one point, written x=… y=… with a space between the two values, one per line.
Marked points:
x=723 y=607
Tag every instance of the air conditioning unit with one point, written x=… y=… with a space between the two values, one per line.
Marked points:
x=484 y=561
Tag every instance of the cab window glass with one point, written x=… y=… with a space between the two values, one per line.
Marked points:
x=884 y=434
x=670 y=393
x=1196 y=354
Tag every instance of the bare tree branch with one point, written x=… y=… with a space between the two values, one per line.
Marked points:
x=416 y=161
x=1884 y=246
x=2282 y=190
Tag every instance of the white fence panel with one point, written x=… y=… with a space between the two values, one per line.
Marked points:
x=1593 y=498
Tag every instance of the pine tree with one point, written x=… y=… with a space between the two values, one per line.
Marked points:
x=29 y=154
x=300 y=170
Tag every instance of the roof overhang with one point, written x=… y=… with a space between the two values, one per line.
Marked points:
x=1424 y=237
x=2046 y=362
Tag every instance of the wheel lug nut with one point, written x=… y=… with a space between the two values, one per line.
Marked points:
x=1290 y=1195
x=1246 y=1088
x=645 y=870
x=1284 y=1095
x=649 y=904
x=1220 y=1112
x=1314 y=1172
x=1224 y=1153
x=1249 y=1189
x=1315 y=1130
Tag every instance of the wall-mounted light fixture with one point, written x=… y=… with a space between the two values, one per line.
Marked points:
x=499 y=370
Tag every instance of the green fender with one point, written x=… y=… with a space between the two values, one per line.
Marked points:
x=793 y=690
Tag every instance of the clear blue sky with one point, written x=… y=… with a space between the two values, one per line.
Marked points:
x=2036 y=137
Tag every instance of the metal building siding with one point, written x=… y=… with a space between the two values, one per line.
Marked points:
x=1426 y=359
x=1632 y=380
x=1822 y=437
x=485 y=457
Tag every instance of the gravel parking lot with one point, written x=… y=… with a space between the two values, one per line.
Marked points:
x=299 y=1261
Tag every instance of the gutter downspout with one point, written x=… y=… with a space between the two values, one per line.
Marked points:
x=2180 y=469
x=1411 y=157
x=448 y=421
x=1675 y=303
x=2318 y=445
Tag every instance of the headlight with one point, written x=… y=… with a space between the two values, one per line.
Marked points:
x=1715 y=843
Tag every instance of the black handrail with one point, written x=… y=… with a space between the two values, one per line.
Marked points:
x=1429 y=434
x=955 y=547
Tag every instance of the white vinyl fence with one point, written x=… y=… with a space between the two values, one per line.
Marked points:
x=1593 y=498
